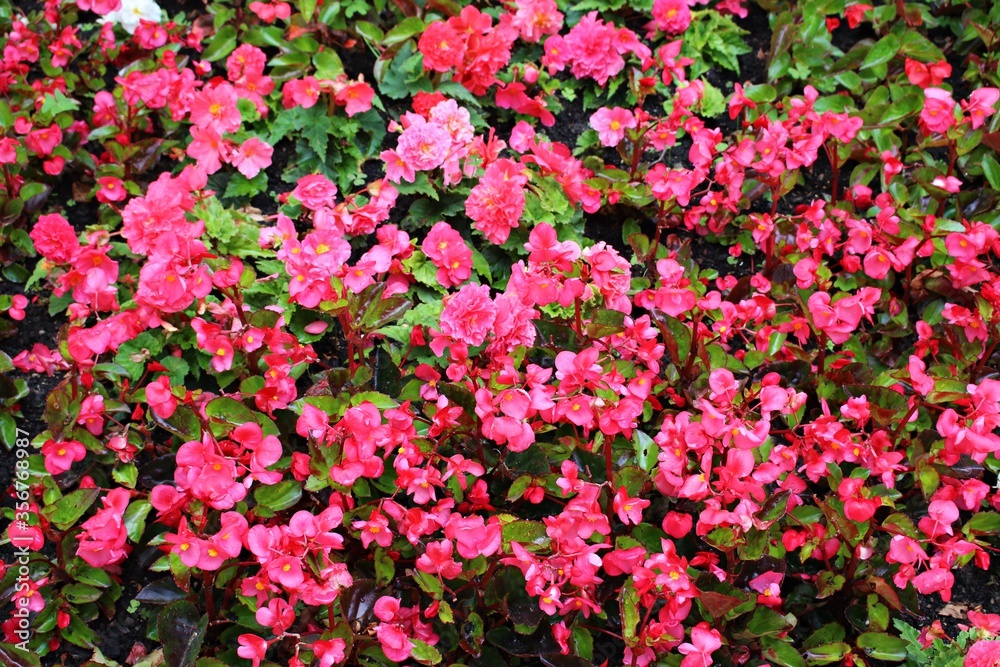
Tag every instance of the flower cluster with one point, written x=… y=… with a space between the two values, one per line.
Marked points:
x=406 y=371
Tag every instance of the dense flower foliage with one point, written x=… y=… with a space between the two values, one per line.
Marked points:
x=480 y=334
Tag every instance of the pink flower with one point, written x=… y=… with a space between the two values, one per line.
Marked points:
x=396 y=168
x=629 y=510
x=110 y=189
x=277 y=615
x=102 y=541
x=161 y=400
x=44 y=141
x=329 y=652
x=424 y=146
x=611 y=124
x=16 y=311
x=8 y=149
x=983 y=621
x=677 y=524
x=473 y=536
x=315 y=191
x=54 y=238
x=269 y=11
x=671 y=16
x=390 y=633
x=947 y=183
x=28 y=595
x=252 y=648
x=100 y=7
x=536 y=18
x=698 y=652
x=921 y=382
x=437 y=559
x=356 y=97
x=906 y=550
x=60 y=456
x=375 y=529
x=938 y=114
x=468 y=315
x=592 y=49
x=497 y=202
x=205 y=147
x=841 y=318
x=984 y=653
x=302 y=92
x=940 y=515
x=935 y=580
x=981 y=105
x=448 y=251
x=287 y=571
x=215 y=108
x=252 y=156
x=443 y=48
x=92 y=414
x=768 y=586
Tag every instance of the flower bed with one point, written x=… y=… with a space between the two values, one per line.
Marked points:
x=525 y=333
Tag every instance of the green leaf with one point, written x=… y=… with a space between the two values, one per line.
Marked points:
x=385 y=568
x=524 y=532
x=647 y=451
x=317 y=134
x=632 y=478
x=424 y=653
x=226 y=413
x=307 y=7
x=605 y=322
x=991 y=169
x=126 y=475
x=91 y=575
x=764 y=622
x=518 y=488
x=827 y=654
x=181 y=631
x=881 y=646
x=403 y=31
x=15 y=657
x=781 y=653
x=378 y=399
x=8 y=429
x=983 y=523
x=241 y=186
x=54 y=104
x=280 y=496
x=221 y=45
x=481 y=266
x=713 y=102
x=81 y=593
x=760 y=93
x=428 y=583
x=6 y=116
x=369 y=32
x=184 y=423
x=65 y=512
x=629 y=604
x=328 y=64
x=135 y=519
x=883 y=51
x=917 y=46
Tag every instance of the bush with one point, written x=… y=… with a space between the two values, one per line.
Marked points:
x=488 y=335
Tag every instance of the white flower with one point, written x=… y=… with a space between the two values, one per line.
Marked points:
x=133 y=11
